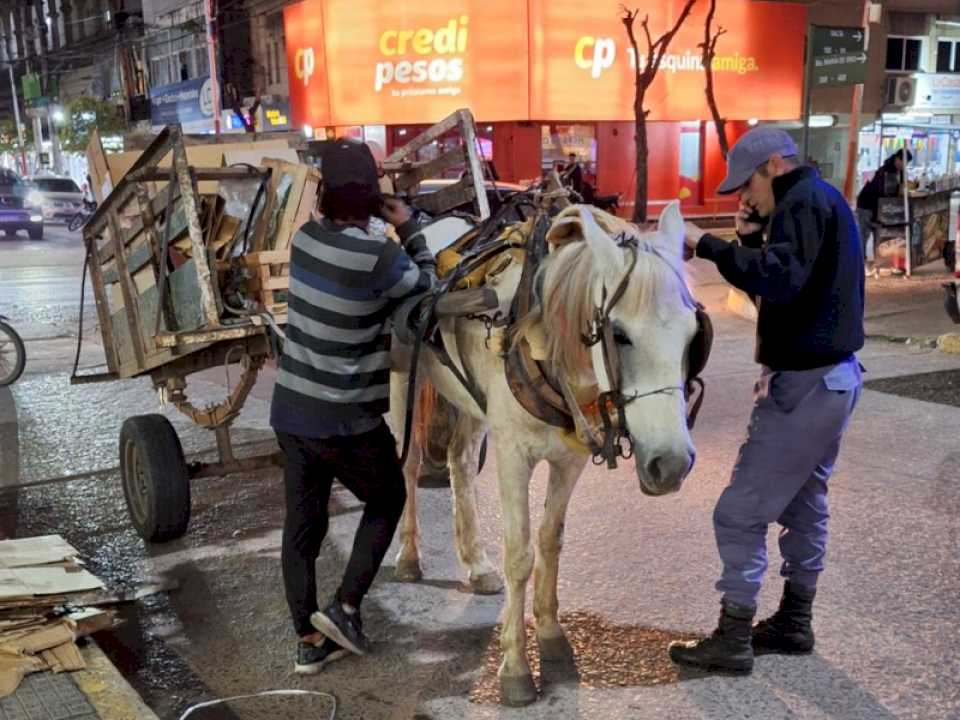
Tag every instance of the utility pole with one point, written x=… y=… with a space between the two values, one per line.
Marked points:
x=210 y=9
x=853 y=137
x=16 y=116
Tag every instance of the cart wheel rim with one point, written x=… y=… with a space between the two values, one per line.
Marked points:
x=9 y=356
x=135 y=478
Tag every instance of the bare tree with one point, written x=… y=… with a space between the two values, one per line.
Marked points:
x=709 y=51
x=643 y=78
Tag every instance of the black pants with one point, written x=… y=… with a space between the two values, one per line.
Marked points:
x=368 y=466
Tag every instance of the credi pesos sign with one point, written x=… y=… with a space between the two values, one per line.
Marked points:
x=416 y=61
x=406 y=62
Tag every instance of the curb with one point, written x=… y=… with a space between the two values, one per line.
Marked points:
x=107 y=690
x=927 y=341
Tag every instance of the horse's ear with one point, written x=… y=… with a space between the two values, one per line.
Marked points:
x=605 y=250
x=671 y=226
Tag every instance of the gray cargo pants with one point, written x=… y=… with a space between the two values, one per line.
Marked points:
x=781 y=476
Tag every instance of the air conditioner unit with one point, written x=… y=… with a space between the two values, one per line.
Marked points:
x=901 y=91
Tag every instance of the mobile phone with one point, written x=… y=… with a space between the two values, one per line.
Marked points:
x=755 y=217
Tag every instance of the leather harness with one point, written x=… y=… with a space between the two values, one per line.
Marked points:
x=548 y=399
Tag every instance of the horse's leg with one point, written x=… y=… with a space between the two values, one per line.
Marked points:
x=464 y=453
x=514 y=467
x=554 y=648
x=408 y=558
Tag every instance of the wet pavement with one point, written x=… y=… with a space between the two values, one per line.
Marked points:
x=636 y=572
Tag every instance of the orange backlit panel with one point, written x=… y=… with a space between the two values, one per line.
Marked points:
x=582 y=64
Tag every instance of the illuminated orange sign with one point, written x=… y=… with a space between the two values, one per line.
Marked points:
x=582 y=65
x=306 y=61
x=371 y=62
x=415 y=62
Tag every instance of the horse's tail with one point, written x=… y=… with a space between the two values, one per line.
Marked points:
x=426 y=408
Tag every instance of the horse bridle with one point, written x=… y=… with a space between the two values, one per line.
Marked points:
x=616 y=441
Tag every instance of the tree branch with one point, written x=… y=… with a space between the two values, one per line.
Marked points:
x=709 y=49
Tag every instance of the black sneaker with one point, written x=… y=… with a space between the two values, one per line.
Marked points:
x=344 y=629
x=311 y=658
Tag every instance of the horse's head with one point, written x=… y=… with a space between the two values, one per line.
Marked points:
x=635 y=322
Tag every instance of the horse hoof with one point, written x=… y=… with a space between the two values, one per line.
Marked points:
x=408 y=572
x=555 y=649
x=517 y=691
x=557 y=662
x=488 y=583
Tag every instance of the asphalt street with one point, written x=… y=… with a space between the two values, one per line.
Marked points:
x=635 y=571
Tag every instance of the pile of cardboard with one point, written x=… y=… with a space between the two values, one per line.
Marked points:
x=43 y=593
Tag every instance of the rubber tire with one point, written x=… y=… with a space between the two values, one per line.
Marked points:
x=159 y=507
x=36 y=233
x=950 y=256
x=21 y=355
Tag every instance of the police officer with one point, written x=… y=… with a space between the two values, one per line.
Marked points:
x=807 y=278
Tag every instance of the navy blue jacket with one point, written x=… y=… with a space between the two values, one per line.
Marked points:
x=807 y=277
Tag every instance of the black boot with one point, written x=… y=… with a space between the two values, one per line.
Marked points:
x=728 y=650
x=788 y=630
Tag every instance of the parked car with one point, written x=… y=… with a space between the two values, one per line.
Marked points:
x=16 y=212
x=60 y=198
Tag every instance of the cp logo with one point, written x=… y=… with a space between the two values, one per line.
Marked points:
x=304 y=65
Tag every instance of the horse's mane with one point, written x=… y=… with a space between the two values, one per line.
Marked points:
x=565 y=312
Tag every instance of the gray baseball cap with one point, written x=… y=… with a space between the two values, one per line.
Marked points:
x=750 y=152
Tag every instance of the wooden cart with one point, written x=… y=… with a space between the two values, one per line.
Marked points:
x=181 y=287
x=152 y=255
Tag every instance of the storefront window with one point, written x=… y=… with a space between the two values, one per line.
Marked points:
x=558 y=141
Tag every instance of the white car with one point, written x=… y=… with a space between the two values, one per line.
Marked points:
x=59 y=198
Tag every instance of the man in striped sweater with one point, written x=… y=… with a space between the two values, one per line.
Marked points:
x=330 y=397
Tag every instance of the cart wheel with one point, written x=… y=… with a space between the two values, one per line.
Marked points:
x=155 y=480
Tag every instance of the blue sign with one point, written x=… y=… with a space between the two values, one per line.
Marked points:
x=183 y=102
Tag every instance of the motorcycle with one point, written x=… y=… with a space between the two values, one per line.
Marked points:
x=13 y=355
x=80 y=219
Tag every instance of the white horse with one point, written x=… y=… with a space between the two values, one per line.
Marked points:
x=654 y=323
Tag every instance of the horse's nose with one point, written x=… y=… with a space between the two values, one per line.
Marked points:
x=665 y=473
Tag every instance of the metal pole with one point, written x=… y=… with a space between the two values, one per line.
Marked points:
x=906 y=210
x=16 y=115
x=853 y=137
x=211 y=12
x=807 y=103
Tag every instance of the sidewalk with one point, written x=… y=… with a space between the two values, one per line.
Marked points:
x=99 y=692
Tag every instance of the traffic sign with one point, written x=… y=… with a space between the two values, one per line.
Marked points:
x=838 y=56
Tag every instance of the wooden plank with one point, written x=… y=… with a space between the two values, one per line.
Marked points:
x=474 y=168
x=128 y=289
x=159 y=174
x=124 y=190
x=446 y=199
x=433 y=168
x=265 y=257
x=424 y=139
x=103 y=306
x=191 y=203
x=158 y=204
x=171 y=340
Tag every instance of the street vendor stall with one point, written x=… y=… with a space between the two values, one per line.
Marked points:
x=922 y=219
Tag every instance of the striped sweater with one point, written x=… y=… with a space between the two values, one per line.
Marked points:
x=345 y=285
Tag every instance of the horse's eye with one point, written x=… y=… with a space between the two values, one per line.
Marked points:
x=620 y=337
